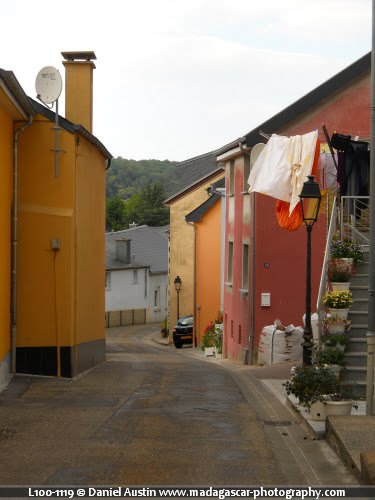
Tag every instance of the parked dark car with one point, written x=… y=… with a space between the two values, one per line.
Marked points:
x=183 y=332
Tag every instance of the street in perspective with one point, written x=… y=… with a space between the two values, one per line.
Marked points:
x=151 y=414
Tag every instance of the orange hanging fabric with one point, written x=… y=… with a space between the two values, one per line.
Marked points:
x=293 y=221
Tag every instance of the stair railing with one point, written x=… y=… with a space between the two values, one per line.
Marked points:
x=333 y=224
x=355 y=217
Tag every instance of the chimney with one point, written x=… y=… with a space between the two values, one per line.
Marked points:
x=123 y=250
x=79 y=69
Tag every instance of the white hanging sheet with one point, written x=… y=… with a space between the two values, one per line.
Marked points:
x=282 y=167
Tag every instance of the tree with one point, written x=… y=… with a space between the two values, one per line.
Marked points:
x=147 y=207
x=115 y=213
x=128 y=177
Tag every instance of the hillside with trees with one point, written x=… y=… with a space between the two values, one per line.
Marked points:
x=136 y=191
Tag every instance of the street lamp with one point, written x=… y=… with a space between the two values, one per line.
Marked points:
x=177 y=287
x=310 y=199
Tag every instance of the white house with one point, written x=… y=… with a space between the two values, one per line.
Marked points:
x=136 y=281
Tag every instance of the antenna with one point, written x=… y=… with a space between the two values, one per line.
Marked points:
x=255 y=152
x=48 y=84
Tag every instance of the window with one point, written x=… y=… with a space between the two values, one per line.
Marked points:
x=245 y=267
x=239 y=334
x=145 y=283
x=107 y=280
x=246 y=173
x=230 y=262
x=135 y=276
x=231 y=328
x=231 y=178
x=156 y=296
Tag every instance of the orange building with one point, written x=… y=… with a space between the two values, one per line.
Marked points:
x=209 y=224
x=57 y=191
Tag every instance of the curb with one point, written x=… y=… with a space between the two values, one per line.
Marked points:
x=315 y=428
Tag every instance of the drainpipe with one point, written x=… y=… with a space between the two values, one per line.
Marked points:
x=15 y=241
x=252 y=268
x=371 y=285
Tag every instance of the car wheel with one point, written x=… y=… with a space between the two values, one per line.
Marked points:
x=178 y=345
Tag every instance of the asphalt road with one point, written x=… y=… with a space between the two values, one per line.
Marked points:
x=155 y=415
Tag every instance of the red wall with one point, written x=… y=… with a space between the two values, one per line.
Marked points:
x=280 y=255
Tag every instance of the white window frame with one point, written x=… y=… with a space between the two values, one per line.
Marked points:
x=135 y=276
x=107 y=280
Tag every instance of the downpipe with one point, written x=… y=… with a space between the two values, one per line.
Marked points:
x=15 y=242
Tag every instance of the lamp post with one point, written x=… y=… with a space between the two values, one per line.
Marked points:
x=310 y=199
x=177 y=287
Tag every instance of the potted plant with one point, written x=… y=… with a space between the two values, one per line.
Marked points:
x=164 y=329
x=208 y=345
x=334 y=340
x=333 y=323
x=345 y=249
x=341 y=401
x=338 y=302
x=339 y=273
x=329 y=357
x=218 y=339
x=311 y=385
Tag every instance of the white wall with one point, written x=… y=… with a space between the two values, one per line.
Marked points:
x=159 y=283
x=123 y=293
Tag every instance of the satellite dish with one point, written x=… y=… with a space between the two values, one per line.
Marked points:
x=48 y=84
x=255 y=152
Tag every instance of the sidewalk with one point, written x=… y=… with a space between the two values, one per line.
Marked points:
x=348 y=436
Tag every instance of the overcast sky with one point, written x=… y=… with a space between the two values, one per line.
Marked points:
x=178 y=78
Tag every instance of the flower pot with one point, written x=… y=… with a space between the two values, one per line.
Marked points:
x=209 y=351
x=338 y=407
x=317 y=411
x=335 y=285
x=339 y=347
x=218 y=355
x=335 y=328
x=341 y=313
x=335 y=368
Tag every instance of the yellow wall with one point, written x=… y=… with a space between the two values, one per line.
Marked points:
x=90 y=231
x=182 y=250
x=60 y=293
x=6 y=135
x=208 y=268
x=46 y=210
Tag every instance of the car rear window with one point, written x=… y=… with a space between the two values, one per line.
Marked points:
x=185 y=321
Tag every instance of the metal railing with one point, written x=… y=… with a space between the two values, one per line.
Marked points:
x=334 y=221
x=355 y=219
x=351 y=217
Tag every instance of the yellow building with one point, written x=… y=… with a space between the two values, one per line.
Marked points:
x=197 y=174
x=58 y=257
